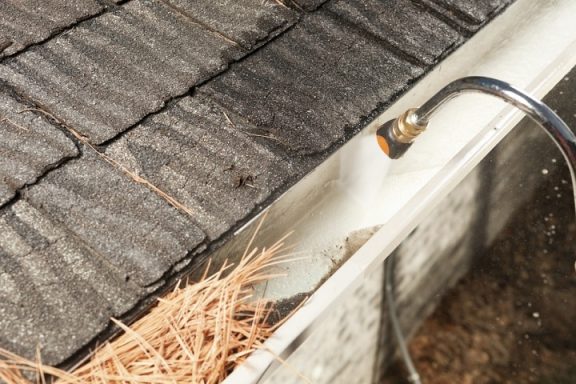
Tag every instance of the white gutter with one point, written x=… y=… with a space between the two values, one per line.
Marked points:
x=532 y=46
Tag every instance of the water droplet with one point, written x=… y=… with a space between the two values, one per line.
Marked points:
x=535 y=315
x=554 y=160
x=544 y=171
x=318 y=371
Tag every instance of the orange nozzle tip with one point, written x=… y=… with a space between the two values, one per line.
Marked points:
x=383 y=143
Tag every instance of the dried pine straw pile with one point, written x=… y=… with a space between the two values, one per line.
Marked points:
x=196 y=334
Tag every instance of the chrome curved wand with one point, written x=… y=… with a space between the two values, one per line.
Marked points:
x=396 y=136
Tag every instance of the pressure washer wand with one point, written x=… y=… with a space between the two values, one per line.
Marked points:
x=396 y=136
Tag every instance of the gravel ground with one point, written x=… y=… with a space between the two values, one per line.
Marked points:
x=512 y=319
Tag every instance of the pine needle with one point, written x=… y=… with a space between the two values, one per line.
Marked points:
x=198 y=333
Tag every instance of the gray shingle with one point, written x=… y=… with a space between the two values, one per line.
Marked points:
x=307 y=5
x=109 y=72
x=24 y=22
x=313 y=83
x=28 y=146
x=465 y=15
x=194 y=153
x=54 y=291
x=476 y=11
x=128 y=224
x=426 y=39
x=247 y=22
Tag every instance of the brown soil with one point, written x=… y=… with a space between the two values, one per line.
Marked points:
x=512 y=319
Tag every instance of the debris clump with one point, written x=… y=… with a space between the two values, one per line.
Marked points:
x=196 y=334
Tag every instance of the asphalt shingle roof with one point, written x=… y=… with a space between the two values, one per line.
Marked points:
x=117 y=115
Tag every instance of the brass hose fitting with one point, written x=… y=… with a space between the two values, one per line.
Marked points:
x=396 y=136
x=405 y=130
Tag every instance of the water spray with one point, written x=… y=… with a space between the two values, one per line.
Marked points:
x=396 y=136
